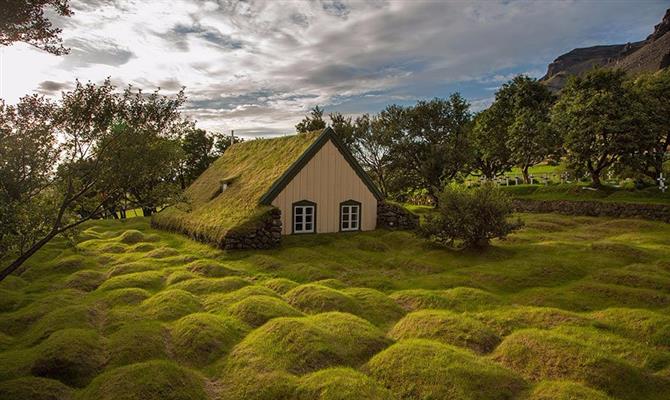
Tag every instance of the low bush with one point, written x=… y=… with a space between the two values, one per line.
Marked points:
x=423 y=369
x=470 y=217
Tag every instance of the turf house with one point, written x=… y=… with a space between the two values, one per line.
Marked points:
x=262 y=189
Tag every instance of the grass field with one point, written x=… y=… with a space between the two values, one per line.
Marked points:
x=567 y=308
x=582 y=192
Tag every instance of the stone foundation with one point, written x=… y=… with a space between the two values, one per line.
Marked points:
x=265 y=236
x=655 y=212
x=391 y=216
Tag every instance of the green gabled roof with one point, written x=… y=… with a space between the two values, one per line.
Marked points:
x=257 y=171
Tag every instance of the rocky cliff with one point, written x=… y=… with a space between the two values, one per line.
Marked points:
x=648 y=55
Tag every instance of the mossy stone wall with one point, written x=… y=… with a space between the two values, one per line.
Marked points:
x=655 y=212
x=266 y=235
x=391 y=216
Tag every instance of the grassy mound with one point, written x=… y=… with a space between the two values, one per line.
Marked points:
x=211 y=285
x=152 y=380
x=150 y=280
x=17 y=321
x=136 y=342
x=331 y=283
x=221 y=301
x=301 y=345
x=170 y=304
x=200 y=339
x=210 y=268
x=124 y=297
x=456 y=299
x=280 y=285
x=565 y=390
x=180 y=276
x=34 y=388
x=633 y=352
x=10 y=300
x=86 y=280
x=314 y=299
x=539 y=355
x=131 y=236
x=340 y=384
x=72 y=356
x=423 y=369
x=64 y=318
x=257 y=310
x=446 y=327
x=252 y=384
x=375 y=306
x=643 y=325
x=132 y=267
x=162 y=252
x=504 y=320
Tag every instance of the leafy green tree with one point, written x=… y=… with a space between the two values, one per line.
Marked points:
x=222 y=142
x=470 y=217
x=312 y=122
x=600 y=118
x=521 y=113
x=489 y=140
x=344 y=127
x=654 y=93
x=25 y=21
x=68 y=162
x=370 y=143
x=198 y=149
x=432 y=142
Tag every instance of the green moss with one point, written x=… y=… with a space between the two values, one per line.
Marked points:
x=446 y=327
x=170 y=304
x=644 y=325
x=504 y=320
x=72 y=356
x=211 y=285
x=252 y=384
x=221 y=301
x=86 y=280
x=124 y=297
x=313 y=299
x=63 y=318
x=10 y=300
x=137 y=342
x=306 y=344
x=331 y=283
x=423 y=369
x=179 y=276
x=5 y=341
x=375 y=306
x=34 y=388
x=539 y=355
x=340 y=384
x=152 y=380
x=162 y=252
x=200 y=339
x=280 y=285
x=132 y=267
x=13 y=282
x=257 y=310
x=131 y=236
x=456 y=299
x=210 y=268
x=150 y=280
x=565 y=390
x=15 y=322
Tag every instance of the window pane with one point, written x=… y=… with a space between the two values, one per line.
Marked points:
x=298 y=227
x=308 y=218
x=345 y=225
x=308 y=210
x=308 y=227
x=298 y=218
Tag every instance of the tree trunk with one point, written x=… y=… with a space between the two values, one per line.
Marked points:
x=147 y=211
x=526 y=178
x=595 y=179
x=25 y=256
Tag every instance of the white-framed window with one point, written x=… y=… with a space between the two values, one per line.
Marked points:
x=304 y=217
x=350 y=216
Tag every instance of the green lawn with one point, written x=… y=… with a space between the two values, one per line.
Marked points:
x=567 y=308
x=581 y=192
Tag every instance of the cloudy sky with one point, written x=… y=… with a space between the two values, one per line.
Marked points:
x=258 y=66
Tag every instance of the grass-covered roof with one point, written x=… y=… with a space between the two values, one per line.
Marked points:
x=250 y=168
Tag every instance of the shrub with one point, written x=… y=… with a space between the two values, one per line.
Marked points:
x=257 y=310
x=424 y=369
x=470 y=217
x=306 y=344
x=446 y=327
x=200 y=339
x=72 y=356
x=340 y=384
x=152 y=380
x=34 y=388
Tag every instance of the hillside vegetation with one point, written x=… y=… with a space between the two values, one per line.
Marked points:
x=566 y=308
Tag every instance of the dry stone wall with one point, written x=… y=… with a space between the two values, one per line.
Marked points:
x=655 y=212
x=266 y=235
x=391 y=216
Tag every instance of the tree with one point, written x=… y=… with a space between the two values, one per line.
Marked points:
x=432 y=142
x=370 y=144
x=600 y=119
x=69 y=161
x=222 y=142
x=489 y=141
x=344 y=128
x=24 y=21
x=470 y=217
x=653 y=90
x=521 y=112
x=197 y=147
x=312 y=122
